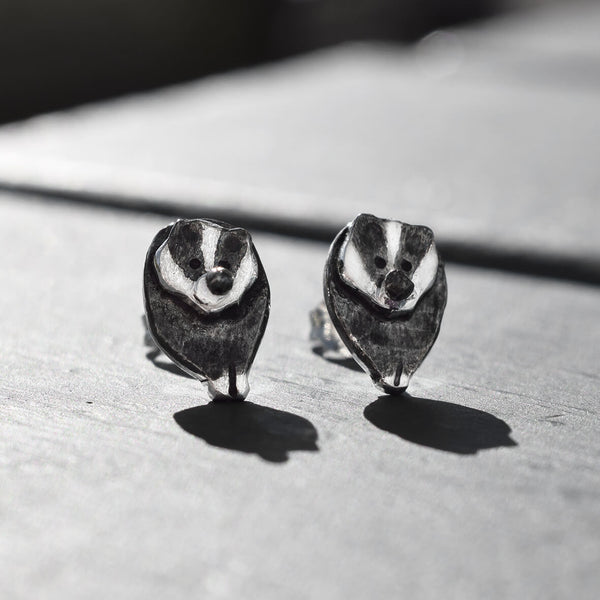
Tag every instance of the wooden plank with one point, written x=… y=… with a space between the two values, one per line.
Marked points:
x=459 y=135
x=119 y=480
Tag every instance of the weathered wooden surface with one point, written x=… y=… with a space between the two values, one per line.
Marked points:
x=118 y=480
x=490 y=136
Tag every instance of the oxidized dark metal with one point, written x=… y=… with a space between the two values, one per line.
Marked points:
x=207 y=302
x=385 y=293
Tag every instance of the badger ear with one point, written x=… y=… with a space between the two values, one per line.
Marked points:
x=365 y=217
x=185 y=233
x=234 y=240
x=367 y=231
x=175 y=232
x=181 y=229
x=365 y=221
x=239 y=232
x=417 y=240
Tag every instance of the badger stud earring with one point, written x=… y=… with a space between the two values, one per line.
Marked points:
x=207 y=302
x=385 y=293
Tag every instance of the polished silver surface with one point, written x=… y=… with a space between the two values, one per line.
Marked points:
x=385 y=293
x=207 y=302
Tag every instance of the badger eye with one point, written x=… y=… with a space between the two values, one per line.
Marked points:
x=406 y=265
x=380 y=262
x=195 y=263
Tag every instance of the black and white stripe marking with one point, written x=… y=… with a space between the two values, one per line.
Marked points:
x=375 y=247
x=195 y=248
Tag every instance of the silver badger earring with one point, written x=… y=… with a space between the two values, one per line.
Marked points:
x=385 y=293
x=207 y=302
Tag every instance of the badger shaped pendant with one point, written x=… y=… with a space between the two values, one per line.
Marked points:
x=385 y=292
x=207 y=302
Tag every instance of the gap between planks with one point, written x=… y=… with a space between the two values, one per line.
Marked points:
x=513 y=260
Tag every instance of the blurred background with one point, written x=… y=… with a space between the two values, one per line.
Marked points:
x=59 y=53
x=477 y=117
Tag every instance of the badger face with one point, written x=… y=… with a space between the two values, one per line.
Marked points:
x=390 y=263
x=210 y=265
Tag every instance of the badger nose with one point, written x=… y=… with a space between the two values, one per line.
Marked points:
x=219 y=281
x=398 y=286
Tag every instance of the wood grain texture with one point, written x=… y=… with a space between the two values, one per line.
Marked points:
x=490 y=136
x=119 y=481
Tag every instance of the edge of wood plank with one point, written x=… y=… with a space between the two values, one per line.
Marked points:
x=525 y=261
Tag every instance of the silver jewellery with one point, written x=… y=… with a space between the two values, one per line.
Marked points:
x=385 y=293
x=207 y=302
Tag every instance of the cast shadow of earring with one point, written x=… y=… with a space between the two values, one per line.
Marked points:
x=250 y=428
x=160 y=361
x=440 y=425
x=343 y=361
